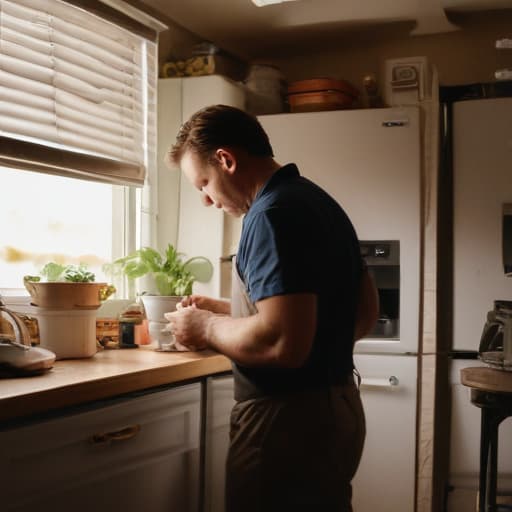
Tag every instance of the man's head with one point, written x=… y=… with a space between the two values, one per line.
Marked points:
x=220 y=126
x=225 y=153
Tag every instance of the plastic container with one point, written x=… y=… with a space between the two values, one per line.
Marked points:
x=266 y=90
x=68 y=333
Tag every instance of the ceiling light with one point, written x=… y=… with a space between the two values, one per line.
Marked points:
x=263 y=3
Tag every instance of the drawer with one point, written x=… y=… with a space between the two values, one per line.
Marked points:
x=55 y=456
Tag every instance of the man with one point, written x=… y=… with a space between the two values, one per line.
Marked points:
x=301 y=296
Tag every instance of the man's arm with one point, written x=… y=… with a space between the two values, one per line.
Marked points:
x=280 y=334
x=367 y=307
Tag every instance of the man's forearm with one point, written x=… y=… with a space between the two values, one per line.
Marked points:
x=244 y=340
x=221 y=306
x=280 y=334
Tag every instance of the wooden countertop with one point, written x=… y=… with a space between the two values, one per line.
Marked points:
x=487 y=379
x=105 y=375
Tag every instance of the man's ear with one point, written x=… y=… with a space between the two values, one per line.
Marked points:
x=226 y=159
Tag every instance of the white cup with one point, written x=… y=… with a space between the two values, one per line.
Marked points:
x=166 y=340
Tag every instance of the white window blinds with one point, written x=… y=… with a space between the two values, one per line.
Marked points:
x=77 y=93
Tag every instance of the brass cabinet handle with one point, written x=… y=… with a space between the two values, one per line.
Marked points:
x=117 y=435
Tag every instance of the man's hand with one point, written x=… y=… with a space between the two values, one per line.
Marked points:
x=208 y=303
x=189 y=326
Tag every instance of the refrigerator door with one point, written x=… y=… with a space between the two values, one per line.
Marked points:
x=386 y=476
x=369 y=161
x=482 y=156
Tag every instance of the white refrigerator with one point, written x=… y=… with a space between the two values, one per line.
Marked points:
x=480 y=133
x=370 y=162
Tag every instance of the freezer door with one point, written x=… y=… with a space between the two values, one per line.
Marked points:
x=386 y=476
x=369 y=161
x=482 y=157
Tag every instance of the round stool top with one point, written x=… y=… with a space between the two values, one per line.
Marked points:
x=487 y=379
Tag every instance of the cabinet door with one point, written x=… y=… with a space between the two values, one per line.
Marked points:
x=138 y=454
x=385 y=479
x=220 y=401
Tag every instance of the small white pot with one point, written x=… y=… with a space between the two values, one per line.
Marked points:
x=155 y=307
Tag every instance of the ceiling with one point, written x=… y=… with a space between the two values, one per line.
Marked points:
x=243 y=29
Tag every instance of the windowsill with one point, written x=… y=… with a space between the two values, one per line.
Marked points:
x=15 y=295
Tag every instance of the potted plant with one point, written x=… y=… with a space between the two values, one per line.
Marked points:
x=172 y=277
x=66 y=287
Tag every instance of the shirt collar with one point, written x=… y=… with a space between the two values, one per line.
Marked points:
x=284 y=173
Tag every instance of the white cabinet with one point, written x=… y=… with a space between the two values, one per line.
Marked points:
x=220 y=401
x=182 y=219
x=385 y=479
x=137 y=454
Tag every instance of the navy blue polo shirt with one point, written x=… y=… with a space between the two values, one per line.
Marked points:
x=297 y=239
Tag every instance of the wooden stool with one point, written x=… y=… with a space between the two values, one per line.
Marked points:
x=491 y=390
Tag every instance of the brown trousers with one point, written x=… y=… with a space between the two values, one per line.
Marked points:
x=295 y=452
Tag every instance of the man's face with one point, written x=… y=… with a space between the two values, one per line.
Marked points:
x=215 y=184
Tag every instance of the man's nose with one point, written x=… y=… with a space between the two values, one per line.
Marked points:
x=206 y=199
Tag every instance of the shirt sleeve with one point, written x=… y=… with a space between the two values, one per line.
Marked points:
x=280 y=255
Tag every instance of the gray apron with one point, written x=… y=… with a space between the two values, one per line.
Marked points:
x=241 y=304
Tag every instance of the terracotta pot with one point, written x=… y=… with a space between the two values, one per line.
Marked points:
x=66 y=295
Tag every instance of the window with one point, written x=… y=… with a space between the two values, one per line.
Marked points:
x=52 y=218
x=77 y=131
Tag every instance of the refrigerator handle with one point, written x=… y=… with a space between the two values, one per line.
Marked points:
x=391 y=123
x=392 y=381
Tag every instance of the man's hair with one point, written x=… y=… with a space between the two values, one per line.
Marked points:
x=220 y=126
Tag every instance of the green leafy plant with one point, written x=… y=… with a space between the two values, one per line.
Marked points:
x=56 y=272
x=172 y=275
x=78 y=275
